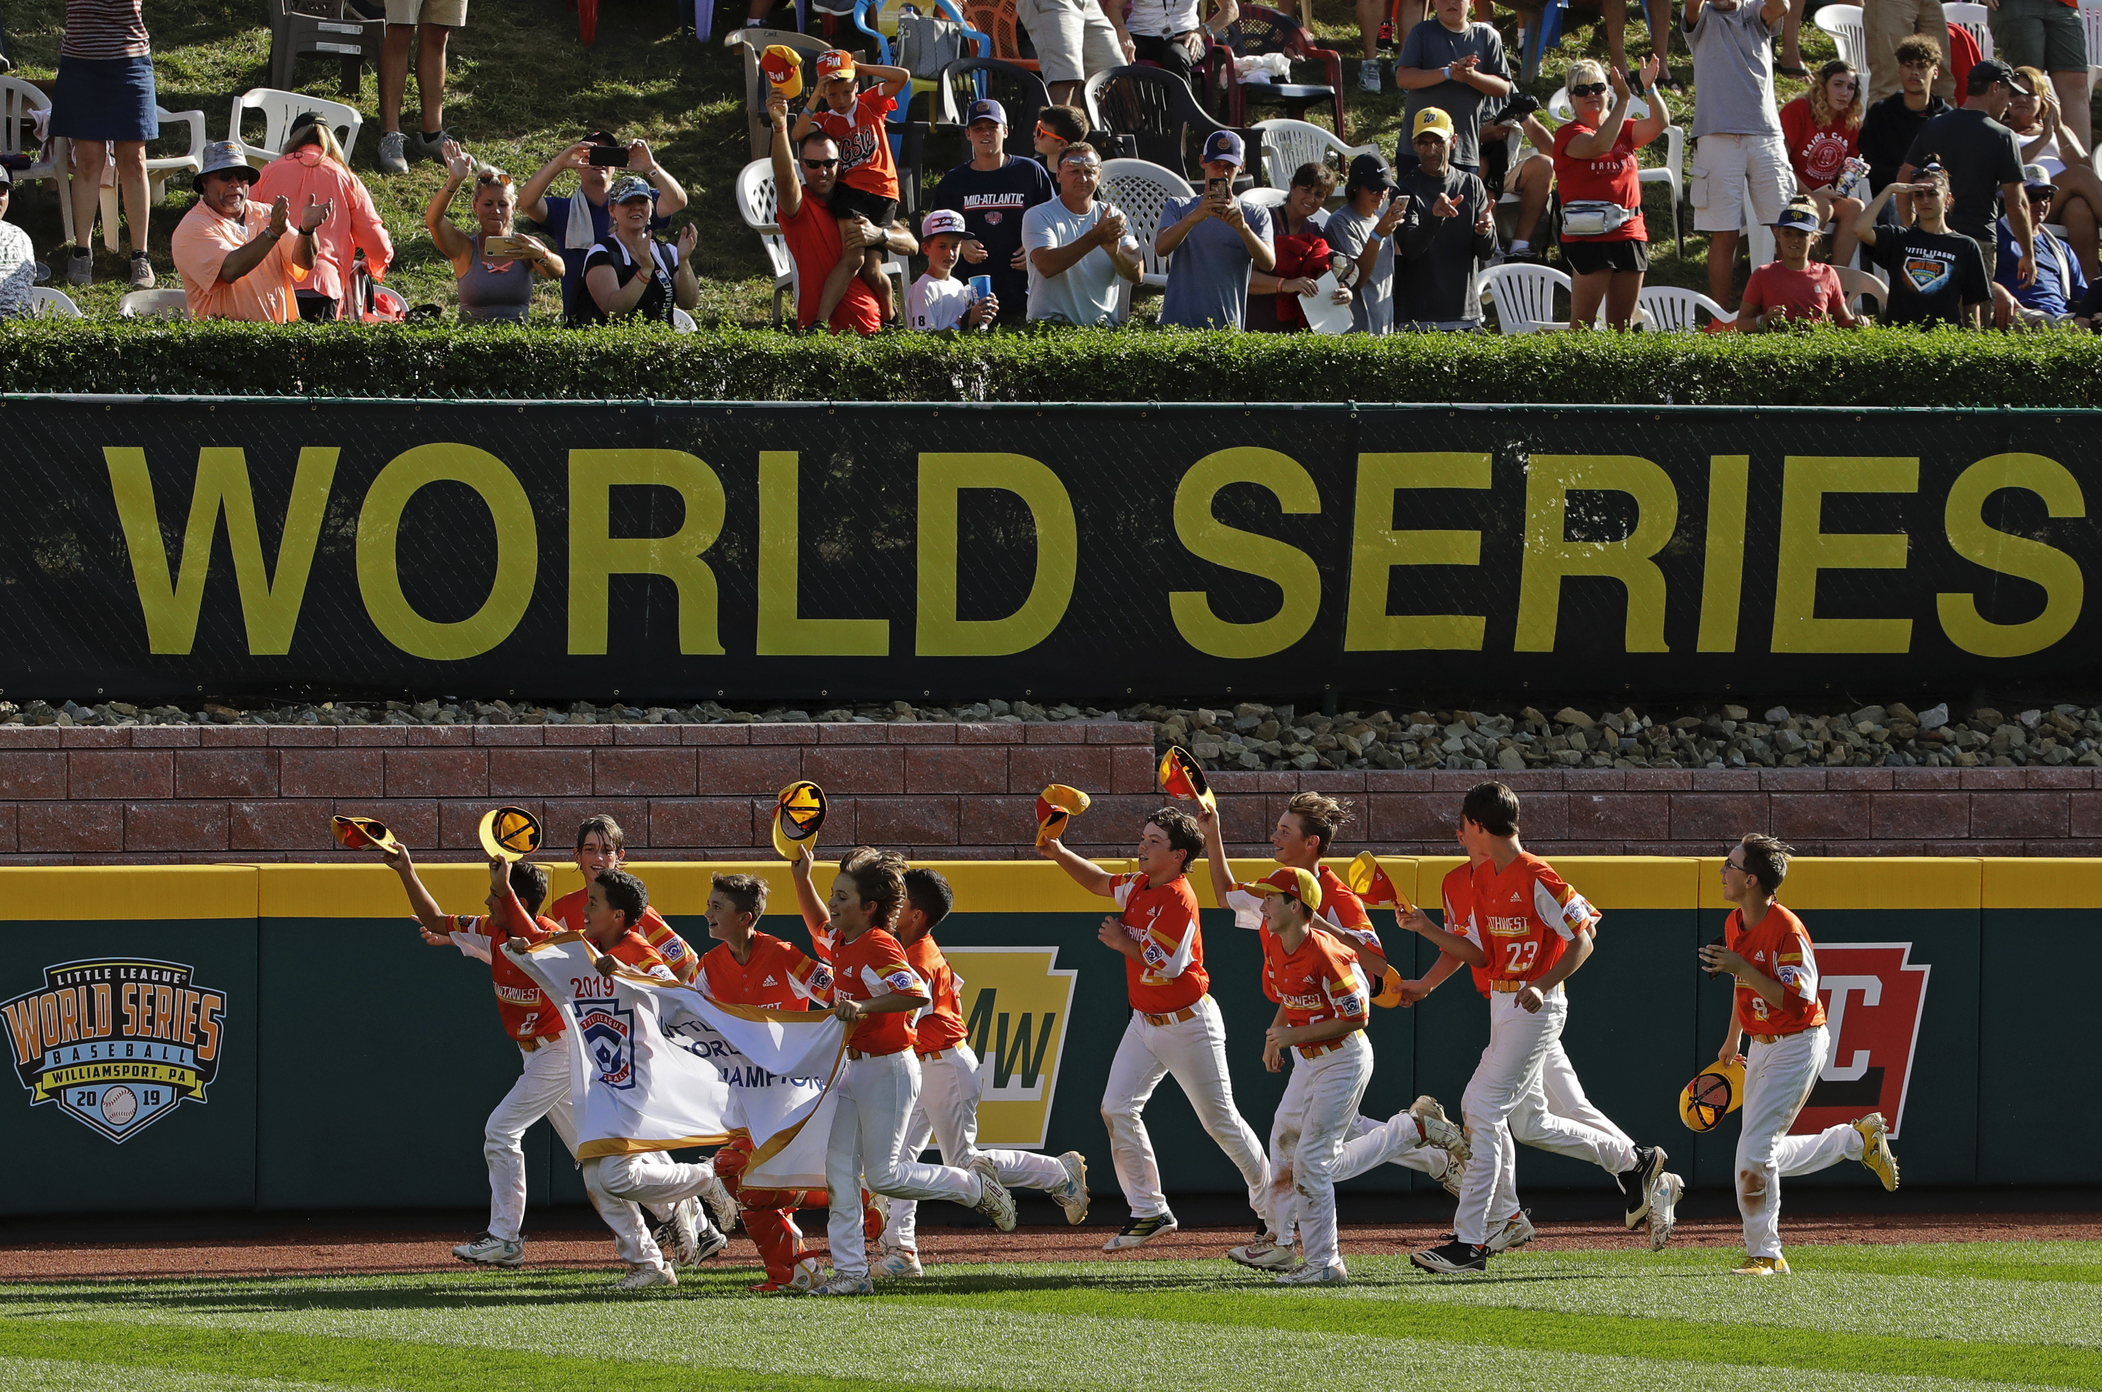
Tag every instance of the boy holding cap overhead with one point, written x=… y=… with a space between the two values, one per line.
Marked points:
x=937 y=299
x=993 y=192
x=1221 y=239
x=868 y=176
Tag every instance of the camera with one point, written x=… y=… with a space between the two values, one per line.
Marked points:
x=1520 y=105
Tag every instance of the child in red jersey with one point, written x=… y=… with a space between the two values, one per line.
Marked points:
x=868 y=175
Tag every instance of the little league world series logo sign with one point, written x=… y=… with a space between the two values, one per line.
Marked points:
x=117 y=1043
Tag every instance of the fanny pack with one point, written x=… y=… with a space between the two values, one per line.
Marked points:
x=1593 y=218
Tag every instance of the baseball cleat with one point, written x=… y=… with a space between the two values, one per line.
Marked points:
x=1452 y=1258
x=712 y=1239
x=1663 y=1210
x=1515 y=1233
x=1762 y=1266
x=721 y=1205
x=1140 y=1231
x=1262 y=1256
x=1439 y=1131
x=1305 y=1275
x=679 y=1236
x=993 y=1199
x=1072 y=1196
x=1637 y=1183
x=643 y=1277
x=898 y=1261
x=807 y=1275
x=1449 y=1179
x=485 y=1250
x=1875 y=1149
x=845 y=1285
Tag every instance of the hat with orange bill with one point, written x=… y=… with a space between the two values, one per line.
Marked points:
x=1181 y=776
x=357 y=833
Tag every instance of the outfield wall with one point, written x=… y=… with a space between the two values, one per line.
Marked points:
x=343 y=1064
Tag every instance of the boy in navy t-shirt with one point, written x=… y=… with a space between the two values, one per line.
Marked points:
x=992 y=192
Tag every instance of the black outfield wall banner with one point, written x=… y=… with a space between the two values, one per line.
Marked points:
x=677 y=552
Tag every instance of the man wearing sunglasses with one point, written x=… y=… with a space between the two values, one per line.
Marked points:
x=1936 y=276
x=1077 y=246
x=815 y=238
x=2058 y=285
x=993 y=192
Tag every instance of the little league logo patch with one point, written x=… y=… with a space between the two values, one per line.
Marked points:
x=1875 y=997
x=1926 y=274
x=608 y=1033
x=117 y=1043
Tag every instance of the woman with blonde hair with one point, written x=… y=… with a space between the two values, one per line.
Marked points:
x=313 y=166
x=495 y=283
x=1604 y=239
x=1822 y=129
x=2038 y=123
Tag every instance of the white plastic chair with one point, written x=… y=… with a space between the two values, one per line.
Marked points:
x=681 y=321
x=279 y=110
x=1669 y=308
x=46 y=303
x=154 y=304
x=19 y=103
x=158 y=171
x=1843 y=23
x=1141 y=189
x=1524 y=296
x=1855 y=284
x=1289 y=144
x=1972 y=18
x=756 y=202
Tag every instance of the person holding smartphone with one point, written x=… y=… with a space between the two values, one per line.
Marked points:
x=1222 y=240
x=493 y=267
x=577 y=222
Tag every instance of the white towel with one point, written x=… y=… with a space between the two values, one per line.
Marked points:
x=578 y=235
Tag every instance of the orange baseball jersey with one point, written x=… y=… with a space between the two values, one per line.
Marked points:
x=524 y=1007
x=1780 y=947
x=1346 y=915
x=779 y=975
x=874 y=965
x=1320 y=981
x=1162 y=919
x=634 y=949
x=1524 y=913
x=1458 y=890
x=940 y=1025
x=683 y=961
x=865 y=161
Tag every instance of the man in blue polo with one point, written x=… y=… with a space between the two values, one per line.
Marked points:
x=1216 y=240
x=992 y=192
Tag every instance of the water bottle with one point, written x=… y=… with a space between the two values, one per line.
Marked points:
x=1853 y=178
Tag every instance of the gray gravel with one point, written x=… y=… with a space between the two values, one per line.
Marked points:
x=1251 y=735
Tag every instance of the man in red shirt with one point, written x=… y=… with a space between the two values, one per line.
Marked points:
x=950 y=1084
x=1175 y=1025
x=1768 y=950
x=802 y=210
x=867 y=187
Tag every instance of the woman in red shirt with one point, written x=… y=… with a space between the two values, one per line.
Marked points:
x=1792 y=286
x=1598 y=174
x=1822 y=129
x=1300 y=236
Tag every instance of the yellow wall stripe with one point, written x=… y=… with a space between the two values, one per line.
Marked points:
x=90 y=892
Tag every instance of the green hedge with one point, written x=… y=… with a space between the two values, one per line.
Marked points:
x=1814 y=367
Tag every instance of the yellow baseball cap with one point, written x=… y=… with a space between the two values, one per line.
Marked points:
x=1183 y=777
x=509 y=833
x=1431 y=118
x=356 y=833
x=1715 y=1092
x=1292 y=880
x=783 y=67
x=799 y=810
x=1368 y=879
x=1055 y=806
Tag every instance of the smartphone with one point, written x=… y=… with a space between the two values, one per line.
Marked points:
x=1217 y=188
x=502 y=246
x=608 y=156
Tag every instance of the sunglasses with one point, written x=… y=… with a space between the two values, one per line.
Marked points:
x=1084 y=166
x=1042 y=134
x=504 y=179
x=819 y=164
x=1588 y=89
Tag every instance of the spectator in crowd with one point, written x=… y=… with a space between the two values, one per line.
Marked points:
x=867 y=187
x=493 y=266
x=1447 y=236
x=1614 y=14
x=993 y=192
x=1456 y=64
x=937 y=299
x=1885 y=27
x=2041 y=133
x=1823 y=131
x=1078 y=246
x=1888 y=129
x=2050 y=36
x=6 y=64
x=577 y=222
x=1301 y=245
x=313 y=166
x=1737 y=131
x=429 y=24
x=17 y=257
x=1605 y=241
x=1534 y=178
x=1792 y=286
x=818 y=240
x=1362 y=232
x=240 y=259
x=105 y=96
x=1171 y=32
x=1983 y=162
x=1056 y=128
x=1937 y=276
x=1220 y=238
x=2059 y=284
x=631 y=274
x=1074 y=40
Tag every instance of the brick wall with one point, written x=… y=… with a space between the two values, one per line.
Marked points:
x=92 y=795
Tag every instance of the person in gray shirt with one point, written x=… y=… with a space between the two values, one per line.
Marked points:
x=1362 y=232
x=1448 y=231
x=1736 y=128
x=1453 y=63
x=1216 y=240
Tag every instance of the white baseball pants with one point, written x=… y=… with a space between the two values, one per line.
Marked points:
x=542 y=1090
x=1557 y=1116
x=947 y=1113
x=876 y=1098
x=1374 y=1143
x=646 y=1177
x=1194 y=1050
x=1313 y=1117
x=1777 y=1081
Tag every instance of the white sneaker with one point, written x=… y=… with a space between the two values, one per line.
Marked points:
x=1263 y=1256
x=1663 y=1210
x=485 y=1250
x=898 y=1261
x=720 y=1204
x=1304 y=1275
x=1368 y=75
x=845 y=1285
x=685 y=1234
x=1072 y=1196
x=993 y=1199
x=1439 y=1131
x=1513 y=1234
x=643 y=1277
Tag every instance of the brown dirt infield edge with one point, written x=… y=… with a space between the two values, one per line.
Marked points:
x=368 y=1253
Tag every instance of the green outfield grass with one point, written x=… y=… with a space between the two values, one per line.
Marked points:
x=1852 y=1317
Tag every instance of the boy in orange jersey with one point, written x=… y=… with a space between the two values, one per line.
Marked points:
x=877 y=992
x=947 y=1110
x=868 y=175
x=1175 y=1024
x=1769 y=952
x=602 y=845
x=1534 y=932
x=748 y=967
